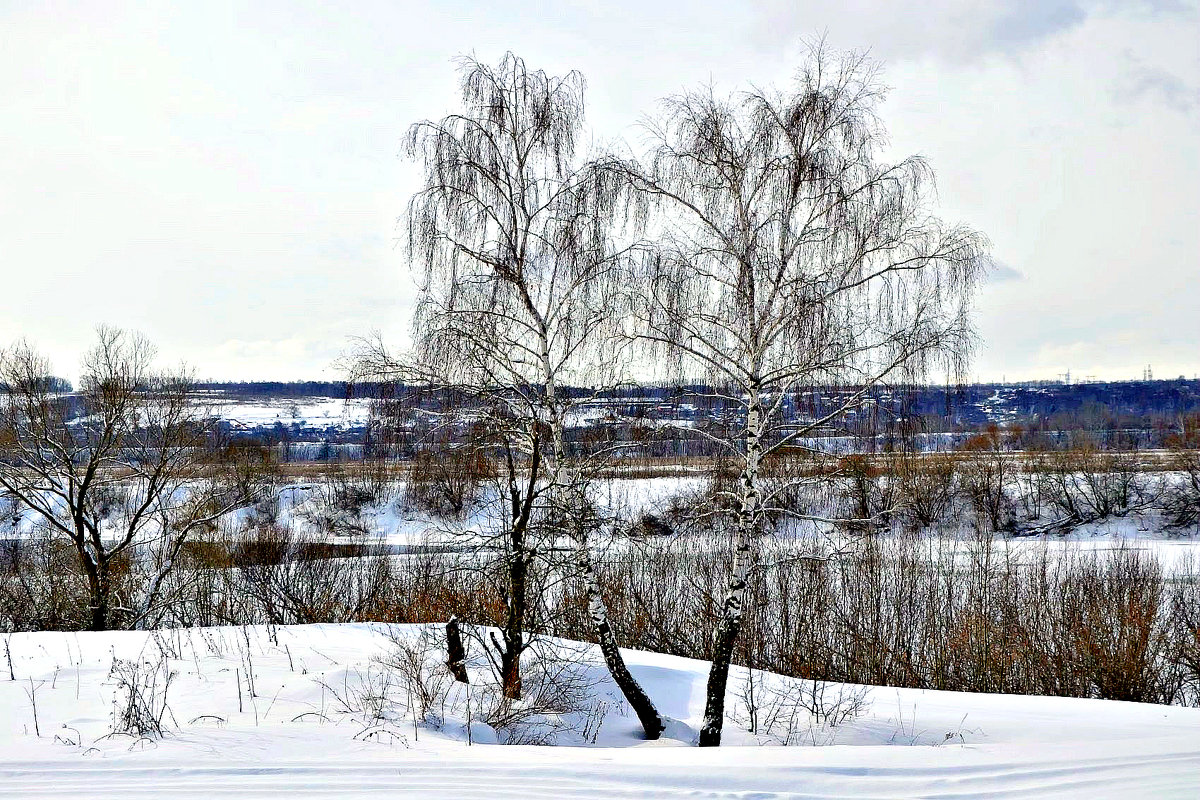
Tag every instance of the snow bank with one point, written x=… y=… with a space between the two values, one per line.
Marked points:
x=294 y=735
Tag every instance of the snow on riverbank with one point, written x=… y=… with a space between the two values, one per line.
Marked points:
x=296 y=735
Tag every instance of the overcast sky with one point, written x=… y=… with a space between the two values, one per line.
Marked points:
x=226 y=177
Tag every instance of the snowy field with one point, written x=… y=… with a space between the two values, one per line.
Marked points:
x=312 y=412
x=318 y=718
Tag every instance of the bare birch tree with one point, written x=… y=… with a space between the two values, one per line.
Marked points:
x=521 y=277
x=790 y=256
x=120 y=467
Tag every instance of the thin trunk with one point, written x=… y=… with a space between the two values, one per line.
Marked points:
x=565 y=480
x=735 y=599
x=514 y=624
x=99 y=599
x=456 y=654
x=510 y=669
x=518 y=577
x=96 y=571
x=643 y=706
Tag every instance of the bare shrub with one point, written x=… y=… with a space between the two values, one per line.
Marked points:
x=1114 y=609
x=368 y=699
x=800 y=711
x=919 y=611
x=433 y=585
x=445 y=480
x=867 y=494
x=42 y=587
x=1181 y=499
x=987 y=476
x=345 y=492
x=1185 y=633
x=928 y=485
x=424 y=676
x=140 y=699
x=298 y=579
x=264 y=512
x=556 y=700
x=1084 y=483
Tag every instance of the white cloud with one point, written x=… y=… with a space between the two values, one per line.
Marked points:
x=225 y=177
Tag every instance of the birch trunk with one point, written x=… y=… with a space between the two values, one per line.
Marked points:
x=643 y=706
x=732 y=608
x=566 y=480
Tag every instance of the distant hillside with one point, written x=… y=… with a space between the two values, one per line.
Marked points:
x=332 y=411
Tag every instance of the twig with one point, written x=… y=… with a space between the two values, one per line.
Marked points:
x=31 y=693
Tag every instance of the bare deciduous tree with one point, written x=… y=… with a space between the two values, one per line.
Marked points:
x=790 y=256
x=1182 y=500
x=521 y=281
x=116 y=467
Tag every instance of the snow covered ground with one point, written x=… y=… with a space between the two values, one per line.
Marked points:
x=313 y=412
x=324 y=720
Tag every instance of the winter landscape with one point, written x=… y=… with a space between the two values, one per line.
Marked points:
x=399 y=400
